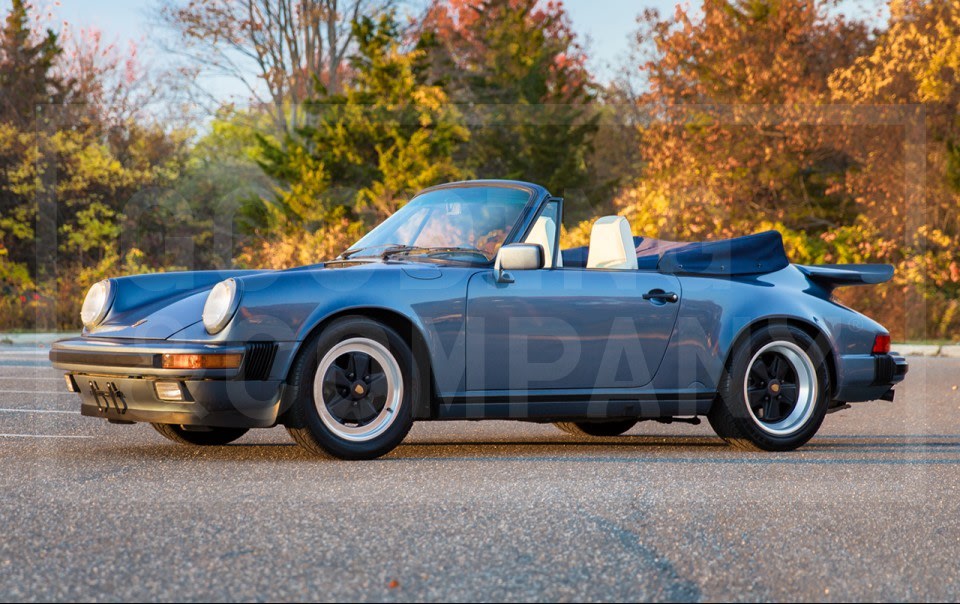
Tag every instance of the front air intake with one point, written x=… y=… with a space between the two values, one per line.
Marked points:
x=259 y=360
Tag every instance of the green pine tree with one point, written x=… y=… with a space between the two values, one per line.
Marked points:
x=27 y=81
x=518 y=64
x=364 y=152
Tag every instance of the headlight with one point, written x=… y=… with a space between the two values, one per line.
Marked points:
x=221 y=304
x=97 y=303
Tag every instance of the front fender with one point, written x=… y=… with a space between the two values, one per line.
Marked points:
x=289 y=306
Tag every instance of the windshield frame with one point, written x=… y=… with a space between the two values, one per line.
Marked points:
x=535 y=195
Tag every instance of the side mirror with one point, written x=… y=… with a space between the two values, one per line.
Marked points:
x=517 y=257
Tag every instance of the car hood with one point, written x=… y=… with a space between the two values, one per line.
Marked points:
x=158 y=305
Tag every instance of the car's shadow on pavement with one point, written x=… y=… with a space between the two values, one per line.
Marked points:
x=447 y=449
x=873 y=449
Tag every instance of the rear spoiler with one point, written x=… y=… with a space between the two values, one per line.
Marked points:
x=831 y=276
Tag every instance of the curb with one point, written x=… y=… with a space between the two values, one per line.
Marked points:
x=918 y=350
x=950 y=351
x=30 y=340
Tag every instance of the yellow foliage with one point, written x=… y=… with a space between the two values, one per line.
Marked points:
x=298 y=248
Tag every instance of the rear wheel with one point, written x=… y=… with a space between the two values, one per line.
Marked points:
x=774 y=393
x=353 y=391
x=204 y=437
x=614 y=428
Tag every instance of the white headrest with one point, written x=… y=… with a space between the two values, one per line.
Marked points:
x=544 y=233
x=611 y=245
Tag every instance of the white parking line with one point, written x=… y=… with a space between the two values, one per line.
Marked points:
x=38 y=411
x=30 y=372
x=24 y=373
x=42 y=436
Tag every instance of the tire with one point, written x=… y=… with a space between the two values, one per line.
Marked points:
x=615 y=428
x=774 y=392
x=332 y=410
x=212 y=437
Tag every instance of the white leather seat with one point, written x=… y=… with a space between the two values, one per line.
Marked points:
x=544 y=233
x=611 y=245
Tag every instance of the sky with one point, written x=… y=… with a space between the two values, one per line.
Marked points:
x=608 y=23
x=605 y=25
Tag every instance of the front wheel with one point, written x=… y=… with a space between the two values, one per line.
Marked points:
x=353 y=391
x=774 y=392
x=202 y=437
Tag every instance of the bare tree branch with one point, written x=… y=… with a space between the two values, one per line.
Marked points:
x=276 y=49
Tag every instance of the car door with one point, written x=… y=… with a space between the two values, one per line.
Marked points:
x=567 y=329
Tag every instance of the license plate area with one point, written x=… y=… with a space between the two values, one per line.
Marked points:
x=108 y=397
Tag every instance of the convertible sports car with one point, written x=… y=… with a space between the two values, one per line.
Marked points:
x=461 y=306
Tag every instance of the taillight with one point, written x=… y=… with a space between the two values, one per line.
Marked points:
x=881 y=344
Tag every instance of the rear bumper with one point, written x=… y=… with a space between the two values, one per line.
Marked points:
x=869 y=377
x=116 y=380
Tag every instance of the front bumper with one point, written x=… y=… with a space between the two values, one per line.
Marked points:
x=868 y=377
x=116 y=380
x=214 y=403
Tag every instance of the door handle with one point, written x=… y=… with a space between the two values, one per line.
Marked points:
x=659 y=294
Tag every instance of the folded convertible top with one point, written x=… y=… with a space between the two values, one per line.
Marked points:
x=750 y=255
x=753 y=254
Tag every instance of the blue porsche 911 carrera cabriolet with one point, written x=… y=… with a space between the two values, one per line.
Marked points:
x=462 y=306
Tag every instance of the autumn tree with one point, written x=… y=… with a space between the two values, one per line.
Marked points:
x=519 y=67
x=913 y=72
x=68 y=175
x=28 y=87
x=728 y=143
x=111 y=85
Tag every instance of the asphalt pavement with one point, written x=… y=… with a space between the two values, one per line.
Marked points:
x=869 y=510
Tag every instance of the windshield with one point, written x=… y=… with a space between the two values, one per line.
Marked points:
x=469 y=221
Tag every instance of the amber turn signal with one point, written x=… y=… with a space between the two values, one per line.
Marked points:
x=201 y=361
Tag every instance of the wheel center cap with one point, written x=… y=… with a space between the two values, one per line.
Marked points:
x=774 y=387
x=359 y=390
